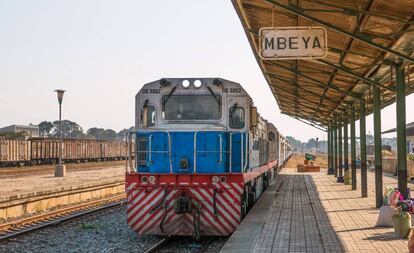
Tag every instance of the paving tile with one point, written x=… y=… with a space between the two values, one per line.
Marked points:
x=310 y=212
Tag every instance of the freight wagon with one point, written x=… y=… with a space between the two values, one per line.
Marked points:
x=46 y=151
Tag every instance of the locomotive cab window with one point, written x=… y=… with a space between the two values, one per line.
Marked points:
x=237 y=118
x=192 y=107
x=148 y=116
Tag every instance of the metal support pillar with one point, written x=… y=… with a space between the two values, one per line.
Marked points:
x=329 y=151
x=353 y=152
x=401 y=133
x=346 y=153
x=335 y=150
x=340 y=178
x=330 y=146
x=378 y=147
x=363 y=144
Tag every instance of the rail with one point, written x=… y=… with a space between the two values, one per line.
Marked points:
x=32 y=223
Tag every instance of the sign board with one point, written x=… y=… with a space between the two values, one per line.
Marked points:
x=285 y=43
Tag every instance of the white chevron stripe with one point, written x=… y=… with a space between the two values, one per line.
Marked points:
x=137 y=212
x=150 y=222
x=132 y=185
x=209 y=207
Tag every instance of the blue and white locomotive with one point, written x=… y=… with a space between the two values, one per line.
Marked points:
x=203 y=157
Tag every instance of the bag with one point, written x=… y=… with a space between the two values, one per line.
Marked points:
x=394 y=197
x=385 y=217
x=347 y=177
x=402 y=224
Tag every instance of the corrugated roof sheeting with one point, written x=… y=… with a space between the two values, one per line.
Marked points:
x=320 y=90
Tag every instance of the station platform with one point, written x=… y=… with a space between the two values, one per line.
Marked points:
x=310 y=212
x=23 y=195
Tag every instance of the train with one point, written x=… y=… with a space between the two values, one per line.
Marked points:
x=203 y=156
x=39 y=150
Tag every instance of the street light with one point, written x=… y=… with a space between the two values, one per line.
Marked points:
x=60 y=169
x=316 y=148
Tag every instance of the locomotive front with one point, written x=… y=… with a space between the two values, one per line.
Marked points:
x=192 y=148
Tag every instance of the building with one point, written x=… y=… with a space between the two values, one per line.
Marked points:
x=29 y=131
x=410 y=136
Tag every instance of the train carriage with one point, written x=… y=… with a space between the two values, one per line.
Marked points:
x=202 y=157
x=14 y=152
x=42 y=150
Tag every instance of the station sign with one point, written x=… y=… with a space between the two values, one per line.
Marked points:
x=286 y=43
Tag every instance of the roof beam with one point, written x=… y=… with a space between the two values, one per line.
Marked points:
x=305 y=90
x=307 y=123
x=361 y=78
x=354 y=11
x=299 y=12
x=292 y=103
x=299 y=115
x=319 y=82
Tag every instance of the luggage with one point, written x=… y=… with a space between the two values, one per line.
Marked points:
x=385 y=216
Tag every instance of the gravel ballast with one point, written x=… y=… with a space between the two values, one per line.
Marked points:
x=106 y=231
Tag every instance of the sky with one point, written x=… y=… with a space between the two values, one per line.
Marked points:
x=102 y=52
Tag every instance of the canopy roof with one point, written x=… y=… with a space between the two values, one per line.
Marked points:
x=366 y=40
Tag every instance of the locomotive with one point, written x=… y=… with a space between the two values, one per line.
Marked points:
x=203 y=156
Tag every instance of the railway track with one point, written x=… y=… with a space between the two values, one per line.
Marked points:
x=184 y=244
x=26 y=225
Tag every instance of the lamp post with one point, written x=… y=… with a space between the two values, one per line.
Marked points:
x=316 y=148
x=60 y=169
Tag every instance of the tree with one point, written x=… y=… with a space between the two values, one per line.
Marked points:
x=70 y=130
x=102 y=134
x=297 y=144
x=311 y=144
x=45 y=127
x=97 y=133
x=109 y=135
x=121 y=134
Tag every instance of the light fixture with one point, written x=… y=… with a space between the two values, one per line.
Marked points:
x=185 y=84
x=197 y=84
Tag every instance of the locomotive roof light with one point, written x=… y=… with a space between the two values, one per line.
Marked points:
x=197 y=84
x=185 y=84
x=164 y=82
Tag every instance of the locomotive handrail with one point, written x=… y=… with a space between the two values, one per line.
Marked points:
x=247 y=151
x=150 y=149
x=221 y=149
x=230 y=151
x=241 y=153
x=195 y=151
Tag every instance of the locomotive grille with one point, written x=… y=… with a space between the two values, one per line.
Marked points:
x=142 y=150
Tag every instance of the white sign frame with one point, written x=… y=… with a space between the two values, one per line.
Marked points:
x=295 y=29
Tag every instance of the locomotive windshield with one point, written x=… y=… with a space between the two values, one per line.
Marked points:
x=192 y=107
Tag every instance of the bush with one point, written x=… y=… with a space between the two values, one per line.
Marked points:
x=410 y=157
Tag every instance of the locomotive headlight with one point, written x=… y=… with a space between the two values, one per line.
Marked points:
x=223 y=179
x=197 y=84
x=151 y=179
x=144 y=179
x=215 y=179
x=185 y=84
